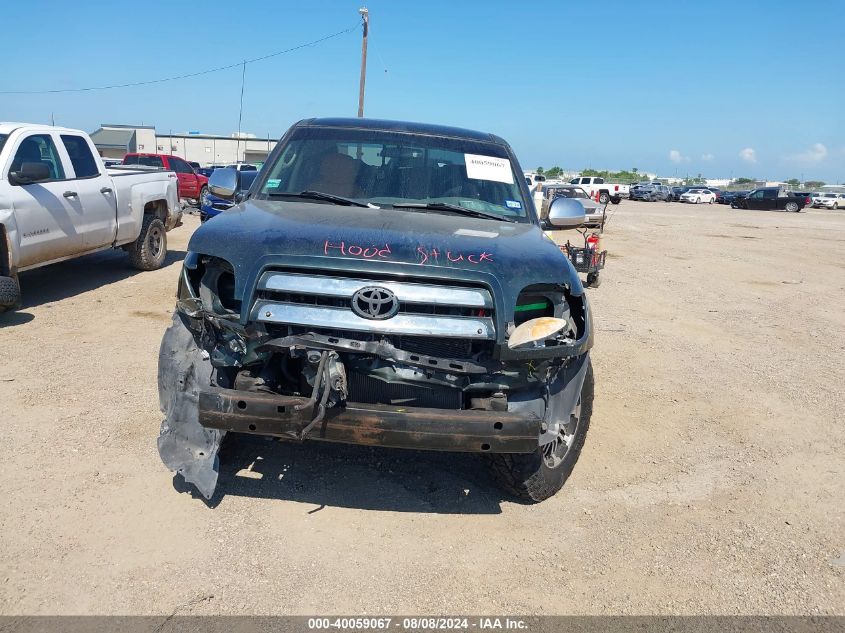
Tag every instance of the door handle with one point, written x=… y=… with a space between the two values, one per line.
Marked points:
x=69 y=194
x=105 y=190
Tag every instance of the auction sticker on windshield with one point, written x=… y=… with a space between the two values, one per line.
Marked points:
x=489 y=168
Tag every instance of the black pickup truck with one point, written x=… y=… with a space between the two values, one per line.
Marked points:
x=770 y=199
x=388 y=284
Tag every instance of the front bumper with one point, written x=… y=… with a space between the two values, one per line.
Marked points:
x=371 y=424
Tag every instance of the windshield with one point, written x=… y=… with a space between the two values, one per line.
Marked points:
x=571 y=193
x=148 y=161
x=387 y=168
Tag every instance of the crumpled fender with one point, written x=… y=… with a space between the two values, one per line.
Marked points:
x=185 y=446
x=553 y=402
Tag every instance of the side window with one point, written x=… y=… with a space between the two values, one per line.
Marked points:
x=84 y=164
x=770 y=193
x=180 y=166
x=599 y=181
x=39 y=148
x=757 y=194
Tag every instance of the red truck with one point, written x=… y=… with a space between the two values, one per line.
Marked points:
x=191 y=184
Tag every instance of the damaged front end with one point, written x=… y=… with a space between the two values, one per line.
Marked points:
x=444 y=372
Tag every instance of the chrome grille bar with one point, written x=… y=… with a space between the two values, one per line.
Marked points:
x=342 y=319
x=406 y=292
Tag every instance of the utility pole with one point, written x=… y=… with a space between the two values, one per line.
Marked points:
x=365 y=17
x=240 y=117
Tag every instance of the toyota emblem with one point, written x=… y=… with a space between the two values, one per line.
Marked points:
x=375 y=302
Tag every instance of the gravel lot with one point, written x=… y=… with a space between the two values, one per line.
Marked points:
x=712 y=480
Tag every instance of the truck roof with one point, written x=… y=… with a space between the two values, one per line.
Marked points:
x=7 y=127
x=401 y=126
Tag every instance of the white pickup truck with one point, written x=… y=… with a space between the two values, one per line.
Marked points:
x=607 y=191
x=58 y=201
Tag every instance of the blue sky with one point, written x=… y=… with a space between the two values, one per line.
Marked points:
x=722 y=88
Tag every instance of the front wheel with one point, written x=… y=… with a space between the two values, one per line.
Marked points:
x=539 y=475
x=203 y=195
x=710 y=201
x=149 y=250
x=697 y=200
x=604 y=198
x=593 y=280
x=792 y=207
x=10 y=294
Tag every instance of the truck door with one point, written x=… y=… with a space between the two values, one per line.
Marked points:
x=754 y=200
x=94 y=193
x=187 y=178
x=46 y=213
x=770 y=199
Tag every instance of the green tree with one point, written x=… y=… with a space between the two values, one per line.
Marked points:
x=539 y=171
x=743 y=181
x=814 y=184
x=554 y=172
x=794 y=182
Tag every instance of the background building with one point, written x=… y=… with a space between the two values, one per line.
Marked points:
x=114 y=141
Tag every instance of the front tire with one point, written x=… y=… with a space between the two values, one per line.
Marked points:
x=203 y=196
x=150 y=249
x=792 y=207
x=10 y=294
x=698 y=200
x=603 y=198
x=539 y=475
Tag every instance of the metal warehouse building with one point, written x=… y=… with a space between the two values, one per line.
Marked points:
x=113 y=141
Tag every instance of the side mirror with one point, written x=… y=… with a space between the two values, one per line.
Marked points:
x=30 y=173
x=566 y=213
x=223 y=183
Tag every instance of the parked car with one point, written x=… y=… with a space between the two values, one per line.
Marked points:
x=111 y=162
x=654 y=193
x=697 y=195
x=192 y=185
x=405 y=297
x=675 y=193
x=593 y=211
x=194 y=165
x=206 y=171
x=771 y=198
x=58 y=201
x=212 y=205
x=728 y=197
x=607 y=192
x=829 y=201
x=243 y=167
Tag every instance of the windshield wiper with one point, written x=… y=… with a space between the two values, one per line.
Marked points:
x=445 y=206
x=318 y=195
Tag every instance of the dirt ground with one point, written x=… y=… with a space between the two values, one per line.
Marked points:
x=712 y=480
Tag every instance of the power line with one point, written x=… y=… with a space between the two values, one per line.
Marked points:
x=185 y=76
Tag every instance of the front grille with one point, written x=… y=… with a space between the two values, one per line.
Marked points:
x=458 y=311
x=368 y=390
